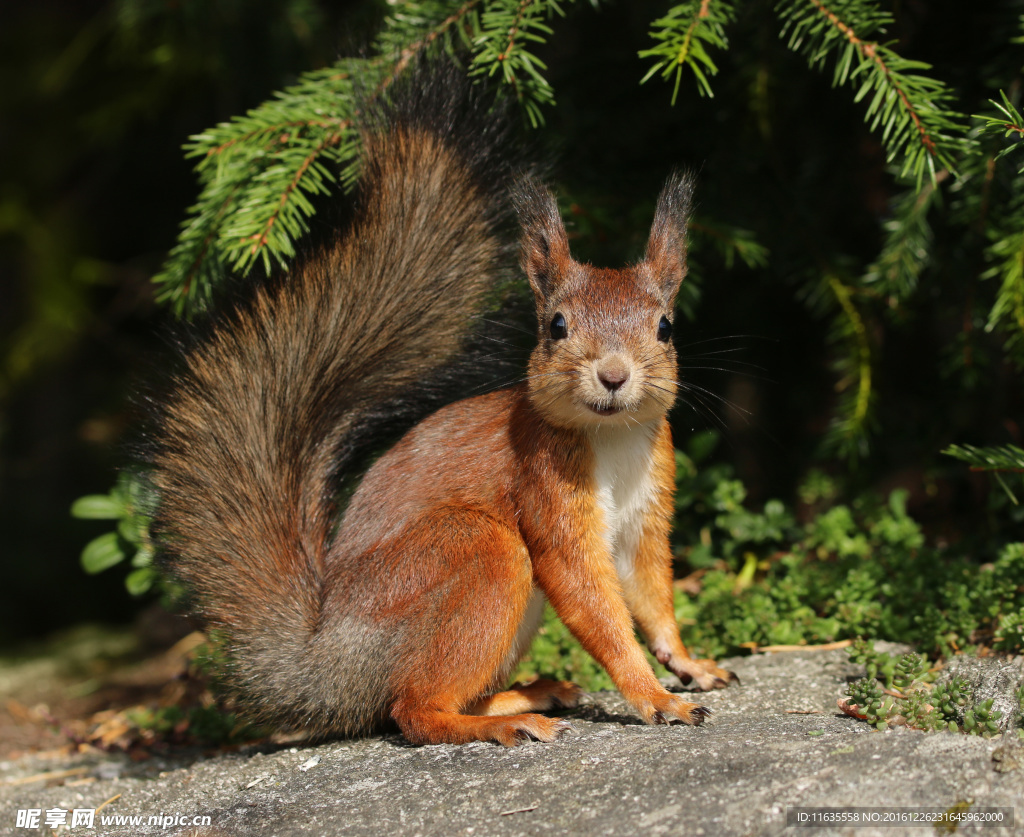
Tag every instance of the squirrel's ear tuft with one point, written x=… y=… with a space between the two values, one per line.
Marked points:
x=666 y=248
x=544 y=253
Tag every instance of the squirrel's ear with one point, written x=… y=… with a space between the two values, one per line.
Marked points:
x=666 y=248
x=544 y=253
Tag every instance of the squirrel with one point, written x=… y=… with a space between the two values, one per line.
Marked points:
x=414 y=607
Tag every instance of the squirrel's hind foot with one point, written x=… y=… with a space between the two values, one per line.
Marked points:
x=538 y=696
x=705 y=674
x=436 y=727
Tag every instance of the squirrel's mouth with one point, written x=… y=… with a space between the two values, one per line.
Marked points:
x=605 y=411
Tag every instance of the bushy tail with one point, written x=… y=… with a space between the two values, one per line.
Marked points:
x=259 y=420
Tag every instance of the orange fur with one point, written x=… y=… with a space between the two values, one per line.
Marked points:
x=418 y=603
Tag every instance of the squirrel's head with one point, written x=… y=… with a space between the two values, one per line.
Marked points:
x=605 y=353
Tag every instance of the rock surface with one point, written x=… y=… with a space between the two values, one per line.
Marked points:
x=775 y=741
x=992 y=679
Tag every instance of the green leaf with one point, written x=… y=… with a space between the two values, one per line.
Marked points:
x=140 y=581
x=143 y=556
x=97 y=507
x=102 y=553
x=133 y=529
x=701 y=445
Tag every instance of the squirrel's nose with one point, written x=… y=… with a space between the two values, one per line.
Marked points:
x=613 y=377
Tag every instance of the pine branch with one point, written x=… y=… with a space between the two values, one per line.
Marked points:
x=1006 y=247
x=917 y=127
x=1008 y=458
x=260 y=172
x=831 y=296
x=1008 y=122
x=415 y=26
x=683 y=37
x=906 y=250
x=731 y=244
x=500 y=46
x=1006 y=250
x=196 y=264
x=996 y=460
x=849 y=431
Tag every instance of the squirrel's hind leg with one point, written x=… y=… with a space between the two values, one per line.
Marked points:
x=538 y=696
x=435 y=726
x=465 y=631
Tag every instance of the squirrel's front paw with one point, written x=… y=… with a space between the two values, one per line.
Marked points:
x=705 y=673
x=667 y=707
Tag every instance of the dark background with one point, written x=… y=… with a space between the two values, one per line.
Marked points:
x=96 y=99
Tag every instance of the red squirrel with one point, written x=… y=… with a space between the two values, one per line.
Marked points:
x=415 y=606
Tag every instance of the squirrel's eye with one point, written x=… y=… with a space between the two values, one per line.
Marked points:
x=664 y=330
x=559 y=331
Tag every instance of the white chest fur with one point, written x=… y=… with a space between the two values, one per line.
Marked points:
x=625 y=488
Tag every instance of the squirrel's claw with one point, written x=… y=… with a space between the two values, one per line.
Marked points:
x=700 y=713
x=705 y=673
x=669 y=708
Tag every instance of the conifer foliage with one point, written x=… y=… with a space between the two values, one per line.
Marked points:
x=260 y=172
x=953 y=151
x=910 y=109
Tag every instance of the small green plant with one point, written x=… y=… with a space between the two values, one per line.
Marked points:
x=129 y=503
x=982 y=720
x=871 y=703
x=202 y=725
x=863 y=568
x=192 y=710
x=951 y=698
x=900 y=691
x=879 y=666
